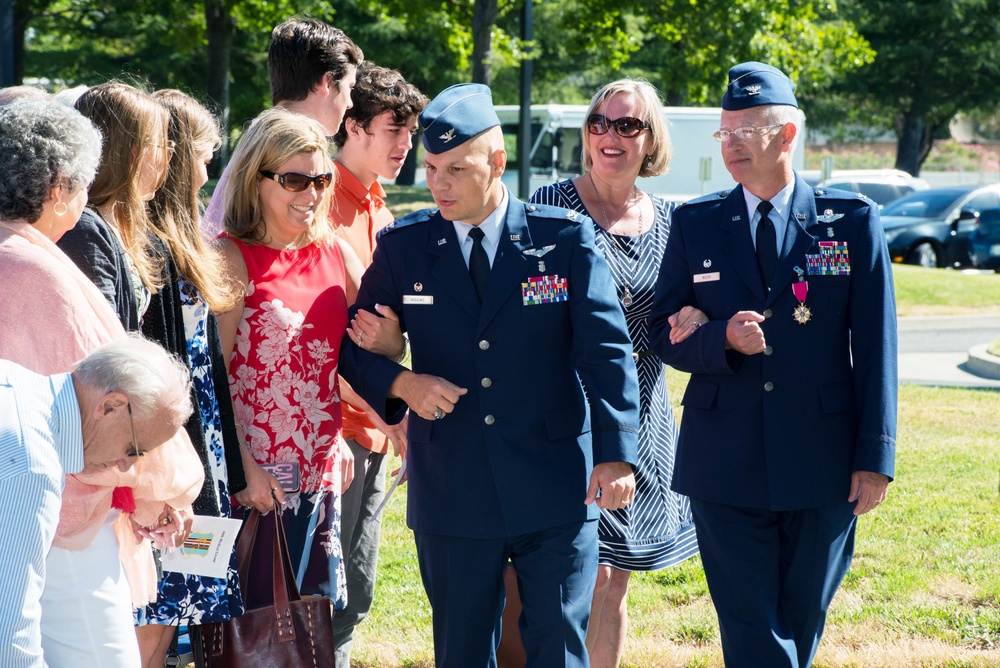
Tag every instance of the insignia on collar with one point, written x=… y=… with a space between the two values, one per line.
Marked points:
x=538 y=252
x=448 y=136
x=800 y=216
x=752 y=90
x=735 y=218
x=442 y=242
x=515 y=237
x=571 y=215
x=829 y=216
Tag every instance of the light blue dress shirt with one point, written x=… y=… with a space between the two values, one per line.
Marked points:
x=782 y=203
x=492 y=226
x=40 y=440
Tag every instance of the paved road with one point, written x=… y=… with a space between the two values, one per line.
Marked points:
x=933 y=350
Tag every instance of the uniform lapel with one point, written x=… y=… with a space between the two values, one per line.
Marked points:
x=738 y=243
x=448 y=266
x=797 y=240
x=510 y=265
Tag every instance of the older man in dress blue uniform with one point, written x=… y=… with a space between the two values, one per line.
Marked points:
x=789 y=425
x=508 y=307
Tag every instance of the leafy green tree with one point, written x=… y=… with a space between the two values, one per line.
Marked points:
x=934 y=59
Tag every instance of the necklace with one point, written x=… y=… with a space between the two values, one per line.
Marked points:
x=626 y=296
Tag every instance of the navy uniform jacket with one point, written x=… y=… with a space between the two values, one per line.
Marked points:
x=515 y=456
x=782 y=429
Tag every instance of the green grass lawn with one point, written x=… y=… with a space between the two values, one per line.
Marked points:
x=924 y=590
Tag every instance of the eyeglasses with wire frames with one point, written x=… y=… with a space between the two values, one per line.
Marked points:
x=626 y=127
x=170 y=147
x=296 y=183
x=135 y=441
x=746 y=132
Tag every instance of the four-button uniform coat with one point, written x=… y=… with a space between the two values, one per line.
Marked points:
x=515 y=455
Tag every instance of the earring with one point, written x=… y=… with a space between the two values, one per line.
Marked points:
x=55 y=209
x=649 y=160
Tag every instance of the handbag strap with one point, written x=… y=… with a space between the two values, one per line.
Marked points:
x=283 y=581
x=244 y=546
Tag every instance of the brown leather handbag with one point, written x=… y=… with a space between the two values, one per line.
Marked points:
x=289 y=632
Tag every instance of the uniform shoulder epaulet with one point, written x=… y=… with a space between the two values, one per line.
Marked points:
x=414 y=218
x=711 y=198
x=843 y=196
x=553 y=212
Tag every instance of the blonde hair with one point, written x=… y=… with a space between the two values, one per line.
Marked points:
x=649 y=108
x=273 y=138
x=132 y=123
x=174 y=211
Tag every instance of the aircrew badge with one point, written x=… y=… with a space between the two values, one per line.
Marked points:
x=829 y=216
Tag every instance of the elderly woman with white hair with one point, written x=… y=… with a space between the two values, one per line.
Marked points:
x=51 y=316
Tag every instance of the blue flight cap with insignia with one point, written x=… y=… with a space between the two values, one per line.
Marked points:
x=755 y=84
x=456 y=115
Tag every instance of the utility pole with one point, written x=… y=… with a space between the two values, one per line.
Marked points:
x=524 y=133
x=6 y=43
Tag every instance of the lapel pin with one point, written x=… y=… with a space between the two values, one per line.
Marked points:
x=418 y=287
x=706 y=264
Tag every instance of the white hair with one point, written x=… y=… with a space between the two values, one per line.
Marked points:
x=151 y=378
x=781 y=114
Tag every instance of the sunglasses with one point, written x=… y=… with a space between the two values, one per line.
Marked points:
x=625 y=127
x=296 y=183
x=135 y=441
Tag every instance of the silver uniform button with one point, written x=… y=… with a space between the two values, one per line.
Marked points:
x=766 y=313
x=768 y=386
x=486 y=382
x=768 y=350
x=484 y=345
x=489 y=419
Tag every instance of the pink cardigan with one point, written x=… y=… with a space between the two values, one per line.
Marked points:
x=51 y=316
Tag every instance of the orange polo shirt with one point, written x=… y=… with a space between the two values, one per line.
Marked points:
x=357 y=214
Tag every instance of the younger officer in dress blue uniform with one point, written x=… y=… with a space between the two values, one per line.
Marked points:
x=789 y=422
x=508 y=307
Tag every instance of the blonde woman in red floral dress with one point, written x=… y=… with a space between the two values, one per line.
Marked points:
x=283 y=339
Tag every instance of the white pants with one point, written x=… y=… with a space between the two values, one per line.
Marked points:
x=87 y=606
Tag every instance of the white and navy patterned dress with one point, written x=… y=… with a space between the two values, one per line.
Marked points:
x=193 y=599
x=656 y=530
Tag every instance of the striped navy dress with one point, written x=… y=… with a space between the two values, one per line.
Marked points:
x=656 y=530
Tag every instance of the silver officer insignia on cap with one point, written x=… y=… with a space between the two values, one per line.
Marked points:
x=752 y=90
x=418 y=287
x=706 y=264
x=829 y=216
x=447 y=136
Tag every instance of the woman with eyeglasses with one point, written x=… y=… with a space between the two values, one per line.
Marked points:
x=295 y=280
x=625 y=136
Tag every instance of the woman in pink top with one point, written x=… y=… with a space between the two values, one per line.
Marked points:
x=283 y=339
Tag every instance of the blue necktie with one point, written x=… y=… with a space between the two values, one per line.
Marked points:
x=479 y=263
x=767 y=244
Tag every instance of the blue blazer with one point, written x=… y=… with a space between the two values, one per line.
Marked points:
x=515 y=456
x=785 y=428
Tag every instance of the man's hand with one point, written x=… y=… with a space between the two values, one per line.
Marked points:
x=684 y=323
x=346 y=466
x=743 y=333
x=868 y=489
x=430 y=397
x=616 y=483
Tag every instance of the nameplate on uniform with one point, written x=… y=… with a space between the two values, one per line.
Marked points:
x=832 y=260
x=544 y=290
x=705 y=278
x=418 y=299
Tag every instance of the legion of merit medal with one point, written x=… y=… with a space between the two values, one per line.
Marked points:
x=801 y=313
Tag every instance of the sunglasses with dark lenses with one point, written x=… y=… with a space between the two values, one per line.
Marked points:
x=626 y=126
x=296 y=183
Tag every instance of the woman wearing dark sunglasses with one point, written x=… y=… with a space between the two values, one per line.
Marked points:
x=625 y=136
x=281 y=342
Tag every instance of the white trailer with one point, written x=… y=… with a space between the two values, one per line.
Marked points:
x=695 y=169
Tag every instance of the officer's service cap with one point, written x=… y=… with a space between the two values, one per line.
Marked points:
x=754 y=84
x=456 y=115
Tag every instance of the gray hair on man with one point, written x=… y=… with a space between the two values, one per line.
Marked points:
x=156 y=383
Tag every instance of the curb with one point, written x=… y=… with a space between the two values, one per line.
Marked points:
x=982 y=363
